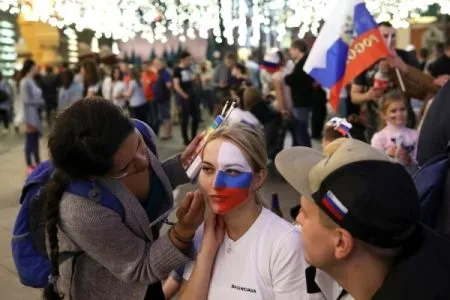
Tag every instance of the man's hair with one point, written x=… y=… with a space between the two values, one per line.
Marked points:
x=184 y=55
x=424 y=52
x=300 y=45
x=230 y=55
x=49 y=69
x=440 y=48
x=385 y=24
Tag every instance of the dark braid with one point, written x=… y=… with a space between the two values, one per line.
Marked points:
x=53 y=192
x=82 y=144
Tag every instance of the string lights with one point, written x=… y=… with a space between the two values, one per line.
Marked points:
x=189 y=19
x=8 y=53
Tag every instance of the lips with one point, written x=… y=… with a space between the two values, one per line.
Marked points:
x=218 y=197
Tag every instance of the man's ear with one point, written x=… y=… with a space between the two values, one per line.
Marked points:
x=343 y=243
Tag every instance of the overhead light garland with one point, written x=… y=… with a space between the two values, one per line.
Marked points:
x=189 y=19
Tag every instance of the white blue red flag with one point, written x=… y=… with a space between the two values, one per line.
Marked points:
x=349 y=43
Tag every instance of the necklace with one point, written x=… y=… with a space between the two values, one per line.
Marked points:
x=228 y=245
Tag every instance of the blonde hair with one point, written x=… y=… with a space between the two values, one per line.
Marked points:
x=251 y=142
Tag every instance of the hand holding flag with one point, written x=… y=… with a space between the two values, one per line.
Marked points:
x=348 y=44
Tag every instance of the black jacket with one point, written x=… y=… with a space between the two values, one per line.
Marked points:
x=422 y=272
x=433 y=140
x=264 y=112
x=301 y=85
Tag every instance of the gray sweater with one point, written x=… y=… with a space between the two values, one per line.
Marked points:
x=31 y=96
x=120 y=258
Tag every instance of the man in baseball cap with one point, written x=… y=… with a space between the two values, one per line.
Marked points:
x=360 y=223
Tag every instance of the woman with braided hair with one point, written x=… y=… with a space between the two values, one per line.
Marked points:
x=117 y=257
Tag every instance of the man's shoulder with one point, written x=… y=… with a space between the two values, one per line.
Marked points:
x=429 y=250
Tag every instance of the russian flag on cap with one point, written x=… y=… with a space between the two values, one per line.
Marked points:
x=349 y=43
x=334 y=206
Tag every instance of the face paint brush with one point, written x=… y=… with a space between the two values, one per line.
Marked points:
x=193 y=166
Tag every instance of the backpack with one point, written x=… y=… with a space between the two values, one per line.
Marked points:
x=4 y=96
x=430 y=183
x=29 y=242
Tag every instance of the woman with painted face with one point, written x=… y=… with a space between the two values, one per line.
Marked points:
x=244 y=250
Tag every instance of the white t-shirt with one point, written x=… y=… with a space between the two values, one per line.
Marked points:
x=265 y=263
x=106 y=88
x=137 y=97
x=118 y=88
x=93 y=89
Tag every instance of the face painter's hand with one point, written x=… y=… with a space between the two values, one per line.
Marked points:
x=192 y=150
x=190 y=214
x=213 y=235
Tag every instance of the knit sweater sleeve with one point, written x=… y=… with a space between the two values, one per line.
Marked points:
x=102 y=234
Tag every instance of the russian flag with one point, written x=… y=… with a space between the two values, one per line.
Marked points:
x=349 y=43
x=334 y=206
x=340 y=125
x=344 y=127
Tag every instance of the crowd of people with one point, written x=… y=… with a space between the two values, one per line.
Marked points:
x=357 y=233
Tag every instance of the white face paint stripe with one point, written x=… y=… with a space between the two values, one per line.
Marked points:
x=229 y=154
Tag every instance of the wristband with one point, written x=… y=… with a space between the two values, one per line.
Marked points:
x=181 y=238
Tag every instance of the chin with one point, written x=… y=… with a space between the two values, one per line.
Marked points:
x=218 y=210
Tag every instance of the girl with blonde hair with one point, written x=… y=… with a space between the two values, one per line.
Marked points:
x=244 y=250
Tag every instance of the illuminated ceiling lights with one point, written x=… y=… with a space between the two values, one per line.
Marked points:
x=188 y=19
x=8 y=54
x=72 y=45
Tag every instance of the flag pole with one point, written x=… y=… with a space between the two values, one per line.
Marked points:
x=397 y=71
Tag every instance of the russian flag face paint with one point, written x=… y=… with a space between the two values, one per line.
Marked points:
x=233 y=179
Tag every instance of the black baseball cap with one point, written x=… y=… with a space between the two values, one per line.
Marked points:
x=359 y=188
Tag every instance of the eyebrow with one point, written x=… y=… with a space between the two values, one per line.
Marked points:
x=137 y=148
x=207 y=163
x=234 y=165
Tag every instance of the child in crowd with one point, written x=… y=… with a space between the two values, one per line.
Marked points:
x=395 y=139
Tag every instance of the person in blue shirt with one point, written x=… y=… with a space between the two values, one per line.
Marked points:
x=162 y=93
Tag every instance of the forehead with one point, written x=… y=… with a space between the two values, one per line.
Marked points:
x=127 y=150
x=387 y=30
x=396 y=104
x=224 y=153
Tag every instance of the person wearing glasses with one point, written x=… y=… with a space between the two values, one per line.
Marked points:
x=121 y=257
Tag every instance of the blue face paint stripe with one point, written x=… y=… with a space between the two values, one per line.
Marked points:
x=223 y=180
